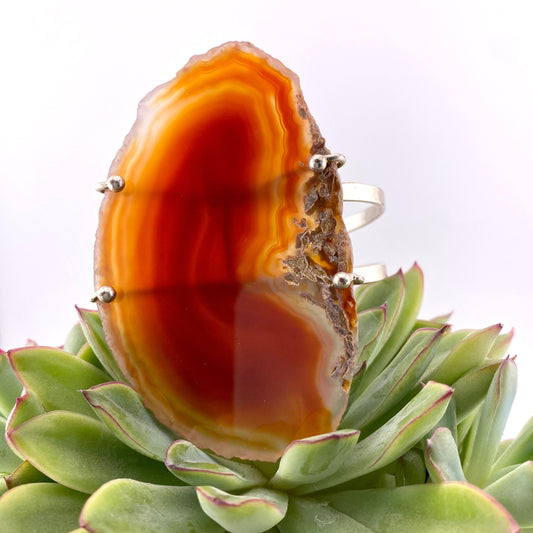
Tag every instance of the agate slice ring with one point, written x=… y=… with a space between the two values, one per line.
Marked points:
x=222 y=245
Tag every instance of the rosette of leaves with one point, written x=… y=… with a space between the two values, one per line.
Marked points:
x=418 y=448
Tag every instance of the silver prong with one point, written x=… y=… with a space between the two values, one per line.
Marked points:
x=357 y=279
x=113 y=184
x=336 y=158
x=104 y=294
x=319 y=162
x=342 y=280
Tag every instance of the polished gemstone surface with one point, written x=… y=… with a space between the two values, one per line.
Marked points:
x=221 y=248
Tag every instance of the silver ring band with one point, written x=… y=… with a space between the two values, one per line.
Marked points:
x=371 y=273
x=368 y=194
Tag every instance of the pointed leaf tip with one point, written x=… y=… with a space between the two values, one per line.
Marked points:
x=123 y=412
x=315 y=458
x=196 y=467
x=94 y=332
x=255 y=511
x=56 y=377
x=442 y=457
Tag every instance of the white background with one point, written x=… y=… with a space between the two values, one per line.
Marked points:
x=430 y=100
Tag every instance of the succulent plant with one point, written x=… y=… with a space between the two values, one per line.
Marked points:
x=418 y=447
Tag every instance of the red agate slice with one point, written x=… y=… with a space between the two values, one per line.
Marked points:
x=222 y=248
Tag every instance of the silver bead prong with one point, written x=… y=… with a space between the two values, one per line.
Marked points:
x=104 y=294
x=113 y=184
x=318 y=163
x=342 y=280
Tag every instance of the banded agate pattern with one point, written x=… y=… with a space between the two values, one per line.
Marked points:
x=222 y=248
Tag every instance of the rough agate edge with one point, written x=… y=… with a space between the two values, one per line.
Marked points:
x=221 y=248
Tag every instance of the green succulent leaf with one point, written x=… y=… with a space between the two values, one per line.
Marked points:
x=442 y=457
x=311 y=516
x=402 y=296
x=25 y=473
x=436 y=323
x=448 y=342
x=123 y=412
x=26 y=407
x=8 y=460
x=255 y=511
x=387 y=295
x=391 y=440
x=196 y=467
x=501 y=346
x=464 y=428
x=515 y=492
x=94 y=332
x=359 y=372
x=406 y=299
x=40 y=508
x=378 y=293
x=482 y=447
x=56 y=377
x=466 y=355
x=436 y=508
x=80 y=453
x=517 y=451
x=10 y=386
x=395 y=382
x=448 y=420
x=128 y=506
x=371 y=324
x=312 y=459
x=87 y=354
x=502 y=447
x=410 y=468
x=471 y=389
x=75 y=340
